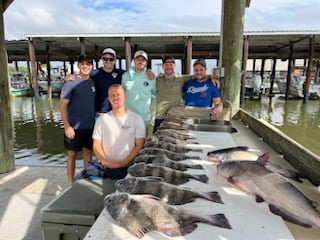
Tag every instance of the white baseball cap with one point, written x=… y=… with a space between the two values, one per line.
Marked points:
x=141 y=53
x=110 y=51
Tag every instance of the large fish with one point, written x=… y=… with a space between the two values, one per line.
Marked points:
x=172 y=155
x=163 y=160
x=243 y=153
x=283 y=198
x=140 y=214
x=169 y=175
x=167 y=192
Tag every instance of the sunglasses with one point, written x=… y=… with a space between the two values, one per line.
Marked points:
x=106 y=59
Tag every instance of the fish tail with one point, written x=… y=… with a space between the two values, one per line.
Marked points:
x=212 y=196
x=294 y=175
x=202 y=178
x=195 y=166
x=219 y=220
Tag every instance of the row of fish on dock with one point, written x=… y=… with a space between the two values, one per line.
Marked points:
x=145 y=201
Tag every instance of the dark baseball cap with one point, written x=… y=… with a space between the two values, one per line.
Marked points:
x=168 y=59
x=84 y=57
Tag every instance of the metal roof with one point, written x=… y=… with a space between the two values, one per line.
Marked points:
x=263 y=44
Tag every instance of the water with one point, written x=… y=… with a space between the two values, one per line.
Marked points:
x=38 y=126
x=299 y=121
x=38 y=131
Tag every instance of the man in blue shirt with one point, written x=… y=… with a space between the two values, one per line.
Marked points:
x=201 y=92
x=78 y=115
x=104 y=77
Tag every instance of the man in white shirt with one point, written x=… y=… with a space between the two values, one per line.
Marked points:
x=118 y=135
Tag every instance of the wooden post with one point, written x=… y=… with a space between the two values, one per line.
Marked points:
x=310 y=65
x=34 y=72
x=49 y=93
x=127 y=47
x=233 y=23
x=244 y=68
x=289 y=73
x=82 y=46
x=273 y=74
x=188 y=55
x=7 y=163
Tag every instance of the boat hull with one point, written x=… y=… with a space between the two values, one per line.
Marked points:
x=20 y=92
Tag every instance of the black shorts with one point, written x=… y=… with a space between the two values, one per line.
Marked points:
x=82 y=139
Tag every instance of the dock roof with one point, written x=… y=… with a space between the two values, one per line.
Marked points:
x=262 y=44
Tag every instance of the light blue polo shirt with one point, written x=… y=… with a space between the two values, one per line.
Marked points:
x=140 y=91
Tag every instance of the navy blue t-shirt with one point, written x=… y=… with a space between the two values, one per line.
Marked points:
x=81 y=95
x=103 y=81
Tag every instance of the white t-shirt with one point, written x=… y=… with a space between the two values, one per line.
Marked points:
x=118 y=134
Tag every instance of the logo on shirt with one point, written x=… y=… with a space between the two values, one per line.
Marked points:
x=114 y=75
x=93 y=89
x=193 y=89
x=145 y=83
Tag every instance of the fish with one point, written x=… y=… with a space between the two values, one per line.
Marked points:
x=163 y=138
x=167 y=192
x=243 y=153
x=140 y=214
x=172 y=155
x=169 y=175
x=178 y=148
x=283 y=198
x=173 y=125
x=179 y=134
x=163 y=160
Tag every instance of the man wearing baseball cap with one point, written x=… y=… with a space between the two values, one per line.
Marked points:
x=104 y=77
x=201 y=92
x=140 y=89
x=77 y=97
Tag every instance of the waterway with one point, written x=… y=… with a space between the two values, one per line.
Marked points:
x=38 y=127
x=299 y=121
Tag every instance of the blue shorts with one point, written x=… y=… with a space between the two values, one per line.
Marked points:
x=82 y=139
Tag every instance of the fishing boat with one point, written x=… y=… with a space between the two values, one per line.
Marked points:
x=297 y=87
x=57 y=80
x=255 y=87
x=19 y=85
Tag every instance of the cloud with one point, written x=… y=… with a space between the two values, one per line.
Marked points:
x=141 y=16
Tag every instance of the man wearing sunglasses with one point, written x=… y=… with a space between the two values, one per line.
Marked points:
x=106 y=76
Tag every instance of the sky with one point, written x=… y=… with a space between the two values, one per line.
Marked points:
x=25 y=17
x=146 y=16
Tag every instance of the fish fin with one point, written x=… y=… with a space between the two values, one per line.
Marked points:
x=201 y=177
x=263 y=159
x=219 y=220
x=259 y=199
x=194 y=166
x=212 y=196
x=288 y=216
x=221 y=150
x=187 y=227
